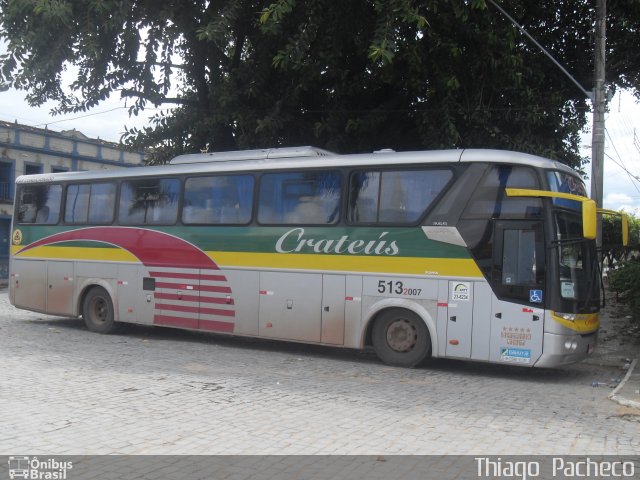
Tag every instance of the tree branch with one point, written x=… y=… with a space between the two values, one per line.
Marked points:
x=165 y=64
x=156 y=100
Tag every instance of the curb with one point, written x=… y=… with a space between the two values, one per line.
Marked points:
x=621 y=400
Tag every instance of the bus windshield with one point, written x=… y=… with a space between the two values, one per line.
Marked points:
x=578 y=283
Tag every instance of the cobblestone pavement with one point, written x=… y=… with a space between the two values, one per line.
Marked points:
x=64 y=390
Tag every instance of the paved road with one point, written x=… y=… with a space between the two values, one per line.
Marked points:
x=64 y=390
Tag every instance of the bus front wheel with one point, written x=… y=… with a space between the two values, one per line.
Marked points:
x=401 y=338
x=97 y=311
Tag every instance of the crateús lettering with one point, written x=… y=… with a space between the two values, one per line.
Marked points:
x=295 y=241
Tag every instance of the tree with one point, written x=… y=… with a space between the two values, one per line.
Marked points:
x=349 y=76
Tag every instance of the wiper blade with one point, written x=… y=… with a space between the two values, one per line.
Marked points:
x=567 y=241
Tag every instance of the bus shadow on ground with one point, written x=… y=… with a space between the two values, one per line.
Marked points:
x=363 y=357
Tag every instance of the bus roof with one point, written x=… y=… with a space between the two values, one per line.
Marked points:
x=296 y=158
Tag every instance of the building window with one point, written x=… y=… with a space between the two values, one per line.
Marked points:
x=32 y=168
x=6 y=182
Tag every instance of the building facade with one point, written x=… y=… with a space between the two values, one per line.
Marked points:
x=28 y=150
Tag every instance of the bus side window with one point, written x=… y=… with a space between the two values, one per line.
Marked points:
x=406 y=194
x=490 y=201
x=223 y=199
x=149 y=201
x=300 y=198
x=39 y=204
x=364 y=192
x=90 y=203
x=394 y=196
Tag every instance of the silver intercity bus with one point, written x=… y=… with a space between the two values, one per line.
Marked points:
x=470 y=254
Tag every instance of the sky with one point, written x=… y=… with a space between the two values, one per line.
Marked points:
x=622 y=154
x=107 y=121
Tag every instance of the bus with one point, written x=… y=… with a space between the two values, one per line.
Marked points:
x=482 y=255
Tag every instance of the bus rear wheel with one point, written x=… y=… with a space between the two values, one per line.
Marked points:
x=400 y=338
x=97 y=311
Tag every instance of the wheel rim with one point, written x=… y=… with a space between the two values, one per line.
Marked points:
x=402 y=335
x=99 y=310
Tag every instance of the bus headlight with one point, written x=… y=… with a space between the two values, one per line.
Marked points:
x=570 y=344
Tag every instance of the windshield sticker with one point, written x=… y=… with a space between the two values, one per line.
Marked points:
x=535 y=296
x=567 y=290
x=515 y=355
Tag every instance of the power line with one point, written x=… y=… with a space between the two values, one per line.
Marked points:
x=586 y=93
x=632 y=177
x=78 y=117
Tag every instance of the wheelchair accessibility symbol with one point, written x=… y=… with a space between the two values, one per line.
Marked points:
x=535 y=296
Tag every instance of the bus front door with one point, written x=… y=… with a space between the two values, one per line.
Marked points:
x=517 y=309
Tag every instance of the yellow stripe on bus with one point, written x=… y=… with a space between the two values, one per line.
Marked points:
x=401 y=265
x=580 y=322
x=453 y=267
x=77 y=253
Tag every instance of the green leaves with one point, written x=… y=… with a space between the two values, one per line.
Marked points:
x=274 y=13
x=355 y=75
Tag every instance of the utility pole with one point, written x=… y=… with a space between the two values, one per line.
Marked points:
x=599 y=100
x=597 y=97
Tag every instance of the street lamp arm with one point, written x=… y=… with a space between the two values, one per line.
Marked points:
x=587 y=94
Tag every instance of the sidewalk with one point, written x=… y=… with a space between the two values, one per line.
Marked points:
x=628 y=392
x=619 y=344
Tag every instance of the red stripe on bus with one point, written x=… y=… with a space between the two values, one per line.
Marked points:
x=190 y=309
x=190 y=276
x=200 y=288
x=443 y=304
x=151 y=247
x=211 y=325
x=175 y=321
x=194 y=298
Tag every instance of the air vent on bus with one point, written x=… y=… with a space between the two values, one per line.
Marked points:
x=262 y=154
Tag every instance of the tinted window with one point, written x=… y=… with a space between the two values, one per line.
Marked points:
x=400 y=196
x=519 y=261
x=39 y=204
x=565 y=183
x=519 y=257
x=300 y=198
x=220 y=199
x=90 y=203
x=490 y=201
x=149 y=201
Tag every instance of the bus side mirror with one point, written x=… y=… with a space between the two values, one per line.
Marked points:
x=625 y=229
x=589 y=219
x=624 y=223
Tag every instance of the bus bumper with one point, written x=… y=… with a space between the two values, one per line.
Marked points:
x=566 y=349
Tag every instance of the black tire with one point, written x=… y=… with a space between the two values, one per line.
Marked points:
x=400 y=338
x=97 y=311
